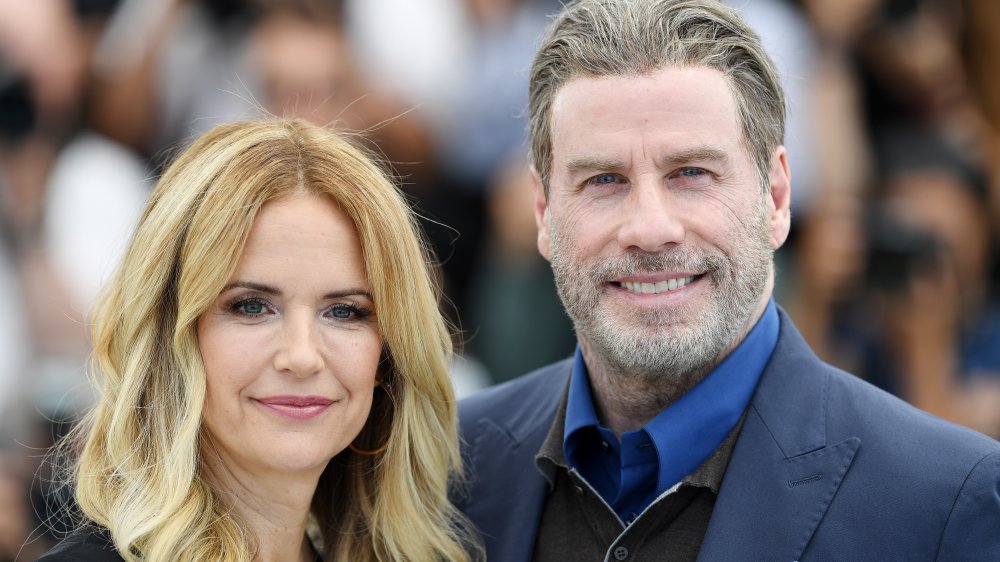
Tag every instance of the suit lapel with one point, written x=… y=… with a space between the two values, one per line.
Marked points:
x=510 y=490
x=783 y=474
x=518 y=489
x=770 y=506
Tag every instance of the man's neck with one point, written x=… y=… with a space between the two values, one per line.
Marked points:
x=628 y=401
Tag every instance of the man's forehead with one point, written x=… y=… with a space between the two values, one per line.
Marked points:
x=672 y=73
x=692 y=106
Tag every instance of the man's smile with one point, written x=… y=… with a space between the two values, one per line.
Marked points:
x=657 y=287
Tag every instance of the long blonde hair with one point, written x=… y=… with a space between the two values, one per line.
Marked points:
x=139 y=473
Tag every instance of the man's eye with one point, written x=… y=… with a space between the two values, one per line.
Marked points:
x=691 y=177
x=691 y=172
x=606 y=179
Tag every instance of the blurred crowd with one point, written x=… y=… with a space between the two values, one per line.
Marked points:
x=894 y=139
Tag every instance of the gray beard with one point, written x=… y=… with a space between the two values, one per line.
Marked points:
x=676 y=344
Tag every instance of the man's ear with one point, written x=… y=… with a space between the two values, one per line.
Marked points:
x=780 y=198
x=541 y=213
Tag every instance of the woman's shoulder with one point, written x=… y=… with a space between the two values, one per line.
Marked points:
x=87 y=544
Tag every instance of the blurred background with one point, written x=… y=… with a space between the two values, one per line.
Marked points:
x=894 y=140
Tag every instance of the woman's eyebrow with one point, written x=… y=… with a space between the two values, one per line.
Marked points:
x=349 y=293
x=252 y=286
x=260 y=287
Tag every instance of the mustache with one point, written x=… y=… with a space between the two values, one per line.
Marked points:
x=637 y=262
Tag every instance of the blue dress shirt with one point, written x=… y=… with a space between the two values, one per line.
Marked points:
x=631 y=474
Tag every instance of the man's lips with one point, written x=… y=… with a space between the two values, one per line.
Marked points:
x=654 y=284
x=296 y=407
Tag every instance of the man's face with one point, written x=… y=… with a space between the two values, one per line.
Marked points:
x=659 y=232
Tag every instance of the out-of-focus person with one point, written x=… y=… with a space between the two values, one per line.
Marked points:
x=272 y=367
x=923 y=320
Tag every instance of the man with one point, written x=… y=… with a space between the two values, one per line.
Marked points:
x=694 y=421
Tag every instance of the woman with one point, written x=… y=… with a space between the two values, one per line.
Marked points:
x=272 y=360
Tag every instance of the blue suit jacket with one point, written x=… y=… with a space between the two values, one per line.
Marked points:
x=826 y=467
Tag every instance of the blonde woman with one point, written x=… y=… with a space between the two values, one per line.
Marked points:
x=272 y=367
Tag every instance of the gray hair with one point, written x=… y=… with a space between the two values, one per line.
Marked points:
x=597 y=38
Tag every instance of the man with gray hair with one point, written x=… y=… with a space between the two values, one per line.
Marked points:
x=694 y=422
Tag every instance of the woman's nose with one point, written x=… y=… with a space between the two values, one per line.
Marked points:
x=299 y=351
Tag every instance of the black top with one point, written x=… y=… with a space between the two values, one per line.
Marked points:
x=88 y=544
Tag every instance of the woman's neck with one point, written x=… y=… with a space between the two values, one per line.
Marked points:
x=274 y=507
x=278 y=527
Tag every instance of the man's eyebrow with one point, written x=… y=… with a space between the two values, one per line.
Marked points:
x=591 y=163
x=696 y=154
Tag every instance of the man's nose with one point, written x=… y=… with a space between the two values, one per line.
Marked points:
x=651 y=219
x=299 y=351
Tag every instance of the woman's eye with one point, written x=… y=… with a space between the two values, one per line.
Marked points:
x=342 y=312
x=347 y=312
x=249 y=307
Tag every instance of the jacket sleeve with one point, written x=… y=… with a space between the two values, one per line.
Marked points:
x=973 y=528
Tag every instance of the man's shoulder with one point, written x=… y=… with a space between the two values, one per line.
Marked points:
x=909 y=468
x=880 y=419
x=806 y=403
x=521 y=402
x=866 y=465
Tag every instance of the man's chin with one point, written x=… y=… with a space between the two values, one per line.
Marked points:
x=644 y=352
x=652 y=324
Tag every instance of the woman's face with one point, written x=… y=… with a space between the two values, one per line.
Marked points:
x=291 y=345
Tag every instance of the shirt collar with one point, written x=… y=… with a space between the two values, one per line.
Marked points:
x=687 y=432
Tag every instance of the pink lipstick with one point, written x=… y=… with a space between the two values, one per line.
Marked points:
x=296 y=407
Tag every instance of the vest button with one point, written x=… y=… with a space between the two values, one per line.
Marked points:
x=621 y=553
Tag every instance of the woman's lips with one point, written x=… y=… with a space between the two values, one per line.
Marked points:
x=296 y=407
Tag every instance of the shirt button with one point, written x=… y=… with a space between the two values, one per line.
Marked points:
x=621 y=553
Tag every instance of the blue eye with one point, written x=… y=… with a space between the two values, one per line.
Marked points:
x=691 y=177
x=347 y=312
x=249 y=307
x=342 y=312
x=691 y=172
x=604 y=179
